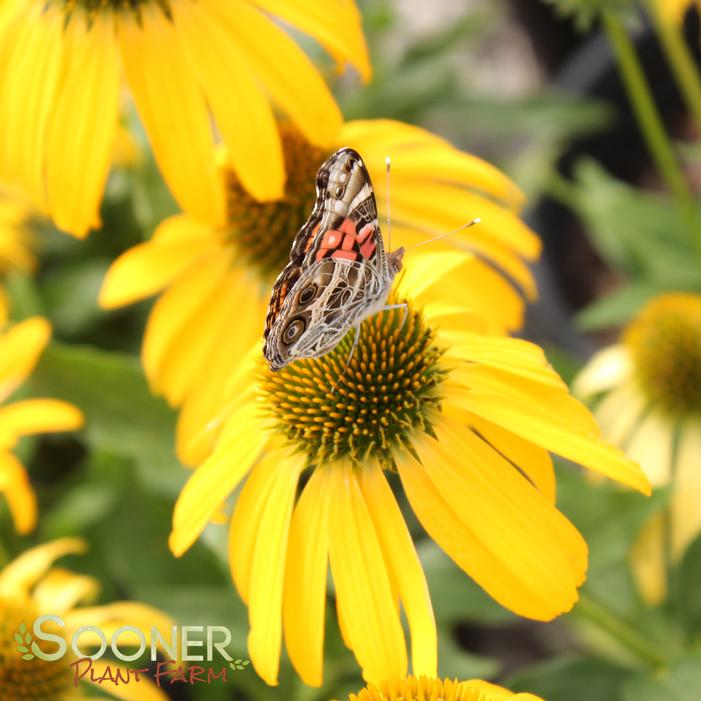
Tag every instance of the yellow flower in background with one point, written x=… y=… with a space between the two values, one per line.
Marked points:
x=215 y=282
x=186 y=62
x=20 y=349
x=31 y=586
x=648 y=400
x=466 y=419
x=429 y=689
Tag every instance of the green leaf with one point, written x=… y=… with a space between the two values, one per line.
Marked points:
x=28 y=656
x=572 y=680
x=27 y=638
x=23 y=628
x=122 y=417
x=682 y=682
x=23 y=648
x=19 y=638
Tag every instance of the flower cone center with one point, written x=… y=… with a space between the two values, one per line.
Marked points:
x=263 y=232
x=389 y=390
x=422 y=689
x=665 y=342
x=27 y=679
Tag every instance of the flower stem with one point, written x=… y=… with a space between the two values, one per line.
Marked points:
x=651 y=124
x=680 y=59
x=620 y=630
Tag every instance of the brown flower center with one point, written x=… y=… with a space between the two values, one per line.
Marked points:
x=665 y=343
x=263 y=232
x=390 y=390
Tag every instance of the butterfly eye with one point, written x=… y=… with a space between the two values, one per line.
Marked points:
x=307 y=294
x=294 y=330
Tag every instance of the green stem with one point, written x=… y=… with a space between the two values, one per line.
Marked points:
x=651 y=124
x=620 y=630
x=680 y=59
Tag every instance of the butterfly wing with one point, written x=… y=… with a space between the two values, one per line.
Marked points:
x=337 y=267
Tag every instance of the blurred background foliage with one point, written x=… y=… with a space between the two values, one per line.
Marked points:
x=517 y=84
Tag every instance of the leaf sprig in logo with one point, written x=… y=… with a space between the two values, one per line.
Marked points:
x=24 y=641
x=239 y=664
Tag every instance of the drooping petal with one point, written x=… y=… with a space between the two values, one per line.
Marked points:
x=217 y=477
x=304 y=605
x=268 y=569
x=652 y=445
x=404 y=569
x=32 y=416
x=83 y=125
x=336 y=24
x=173 y=111
x=60 y=590
x=648 y=560
x=242 y=111
x=686 y=516
x=21 y=500
x=24 y=571
x=143 y=270
x=363 y=589
x=292 y=79
x=619 y=412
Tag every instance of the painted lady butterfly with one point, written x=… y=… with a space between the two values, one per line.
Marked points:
x=338 y=274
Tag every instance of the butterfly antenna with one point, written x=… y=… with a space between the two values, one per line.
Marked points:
x=477 y=220
x=388 y=164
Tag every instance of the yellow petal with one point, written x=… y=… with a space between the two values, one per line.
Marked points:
x=173 y=111
x=173 y=313
x=304 y=605
x=21 y=500
x=22 y=573
x=217 y=477
x=424 y=270
x=60 y=590
x=619 y=412
x=649 y=562
x=30 y=85
x=547 y=417
x=363 y=588
x=268 y=568
x=241 y=108
x=420 y=156
x=492 y=692
x=20 y=349
x=145 y=690
x=607 y=369
x=513 y=521
x=509 y=354
x=143 y=270
x=686 y=516
x=533 y=461
x=404 y=569
x=292 y=79
x=652 y=445
x=83 y=125
x=336 y=24
x=32 y=416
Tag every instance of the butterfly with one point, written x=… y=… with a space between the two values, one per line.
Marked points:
x=338 y=274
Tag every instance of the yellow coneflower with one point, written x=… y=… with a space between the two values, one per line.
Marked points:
x=465 y=419
x=31 y=586
x=215 y=282
x=430 y=689
x=60 y=71
x=20 y=349
x=648 y=393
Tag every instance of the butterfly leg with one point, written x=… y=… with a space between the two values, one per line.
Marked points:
x=356 y=336
x=403 y=306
